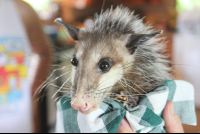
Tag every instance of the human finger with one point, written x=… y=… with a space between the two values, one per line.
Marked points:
x=125 y=127
x=172 y=121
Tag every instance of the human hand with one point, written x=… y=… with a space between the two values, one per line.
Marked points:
x=172 y=121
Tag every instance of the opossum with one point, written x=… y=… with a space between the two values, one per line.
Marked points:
x=119 y=57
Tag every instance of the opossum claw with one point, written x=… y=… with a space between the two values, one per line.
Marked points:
x=122 y=99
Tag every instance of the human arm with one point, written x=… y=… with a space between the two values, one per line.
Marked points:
x=39 y=42
x=41 y=49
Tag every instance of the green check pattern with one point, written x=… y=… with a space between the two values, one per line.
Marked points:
x=144 y=118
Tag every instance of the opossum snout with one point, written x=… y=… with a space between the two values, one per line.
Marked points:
x=84 y=106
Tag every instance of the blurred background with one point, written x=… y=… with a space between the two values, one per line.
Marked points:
x=180 y=20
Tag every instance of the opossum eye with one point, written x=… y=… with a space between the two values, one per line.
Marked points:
x=74 y=62
x=104 y=65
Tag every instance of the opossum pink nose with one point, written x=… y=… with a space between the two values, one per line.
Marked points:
x=81 y=105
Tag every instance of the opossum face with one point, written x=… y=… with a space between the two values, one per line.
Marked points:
x=97 y=67
x=99 y=63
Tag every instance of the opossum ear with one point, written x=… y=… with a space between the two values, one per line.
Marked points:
x=136 y=40
x=73 y=31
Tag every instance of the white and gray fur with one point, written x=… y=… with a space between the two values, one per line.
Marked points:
x=138 y=63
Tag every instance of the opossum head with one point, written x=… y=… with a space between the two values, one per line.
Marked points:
x=101 y=52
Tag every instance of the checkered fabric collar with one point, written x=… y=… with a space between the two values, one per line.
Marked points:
x=144 y=118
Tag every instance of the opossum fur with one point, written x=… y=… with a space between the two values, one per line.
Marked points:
x=138 y=67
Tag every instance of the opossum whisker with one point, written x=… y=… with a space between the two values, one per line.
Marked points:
x=55 y=86
x=39 y=88
x=151 y=63
x=128 y=91
x=147 y=78
x=99 y=85
x=132 y=80
x=61 y=87
x=55 y=71
x=131 y=88
x=134 y=84
x=120 y=82
x=57 y=98
x=127 y=95
x=56 y=65
x=144 y=71
x=104 y=88
x=140 y=88
x=144 y=63
x=69 y=83
x=67 y=100
x=65 y=92
x=49 y=83
x=94 y=90
x=52 y=81
x=41 y=97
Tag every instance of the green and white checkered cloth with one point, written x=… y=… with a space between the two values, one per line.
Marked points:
x=144 y=118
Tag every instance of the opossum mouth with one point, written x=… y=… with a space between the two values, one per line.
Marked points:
x=89 y=110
